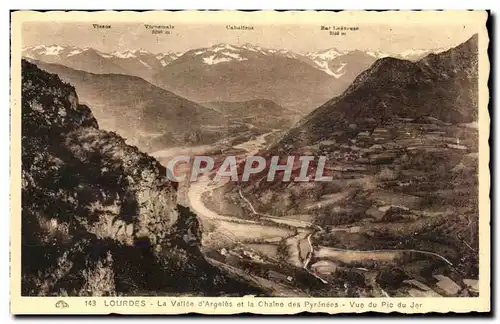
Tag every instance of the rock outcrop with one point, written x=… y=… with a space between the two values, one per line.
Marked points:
x=99 y=217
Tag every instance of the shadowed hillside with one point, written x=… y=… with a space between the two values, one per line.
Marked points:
x=147 y=116
x=442 y=86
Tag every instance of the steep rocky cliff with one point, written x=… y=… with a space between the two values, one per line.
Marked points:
x=98 y=216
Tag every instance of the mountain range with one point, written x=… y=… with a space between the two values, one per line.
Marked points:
x=226 y=72
x=133 y=58
x=133 y=62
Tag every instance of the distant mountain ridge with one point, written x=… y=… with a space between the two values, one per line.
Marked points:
x=56 y=53
x=133 y=62
x=225 y=72
x=332 y=61
x=234 y=74
x=140 y=111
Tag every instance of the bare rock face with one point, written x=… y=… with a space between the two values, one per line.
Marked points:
x=147 y=201
x=472 y=285
x=447 y=285
x=99 y=217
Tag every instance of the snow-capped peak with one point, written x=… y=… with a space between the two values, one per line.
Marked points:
x=77 y=51
x=378 y=54
x=413 y=53
x=34 y=48
x=129 y=53
x=220 y=53
x=54 y=53
x=217 y=48
x=410 y=54
x=328 y=54
x=226 y=52
x=253 y=48
x=222 y=57
x=223 y=47
x=168 y=57
x=416 y=54
x=52 y=50
x=124 y=54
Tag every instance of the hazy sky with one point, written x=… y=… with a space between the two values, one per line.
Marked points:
x=301 y=39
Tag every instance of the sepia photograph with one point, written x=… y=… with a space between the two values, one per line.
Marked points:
x=327 y=158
